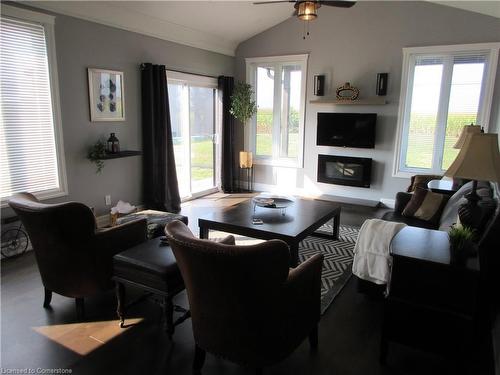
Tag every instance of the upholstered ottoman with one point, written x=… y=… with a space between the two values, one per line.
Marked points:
x=156 y=220
x=150 y=266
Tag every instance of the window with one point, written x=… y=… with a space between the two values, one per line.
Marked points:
x=277 y=131
x=193 y=112
x=442 y=90
x=31 y=153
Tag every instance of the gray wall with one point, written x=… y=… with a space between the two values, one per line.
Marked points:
x=353 y=45
x=81 y=44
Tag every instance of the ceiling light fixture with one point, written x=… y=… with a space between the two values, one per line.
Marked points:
x=306 y=10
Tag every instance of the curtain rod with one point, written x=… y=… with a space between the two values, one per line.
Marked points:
x=184 y=72
x=195 y=74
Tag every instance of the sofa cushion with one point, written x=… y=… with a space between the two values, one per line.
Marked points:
x=394 y=216
x=425 y=205
x=450 y=211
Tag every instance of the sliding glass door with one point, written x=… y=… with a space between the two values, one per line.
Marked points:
x=193 y=114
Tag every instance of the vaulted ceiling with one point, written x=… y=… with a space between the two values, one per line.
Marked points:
x=217 y=26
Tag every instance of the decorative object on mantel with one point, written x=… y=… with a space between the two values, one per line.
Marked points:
x=382 y=84
x=106 y=95
x=96 y=153
x=462 y=243
x=478 y=159
x=113 y=144
x=319 y=85
x=347 y=92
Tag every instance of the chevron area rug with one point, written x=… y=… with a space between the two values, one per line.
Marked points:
x=337 y=261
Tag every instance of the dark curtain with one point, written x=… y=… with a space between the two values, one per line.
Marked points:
x=160 y=187
x=226 y=85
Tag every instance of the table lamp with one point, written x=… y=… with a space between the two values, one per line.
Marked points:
x=466 y=130
x=478 y=159
x=246 y=159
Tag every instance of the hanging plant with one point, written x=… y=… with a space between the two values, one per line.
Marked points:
x=243 y=107
x=95 y=154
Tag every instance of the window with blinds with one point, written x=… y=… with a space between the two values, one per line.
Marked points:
x=442 y=91
x=28 y=140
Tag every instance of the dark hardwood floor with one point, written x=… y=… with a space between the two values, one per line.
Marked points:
x=33 y=337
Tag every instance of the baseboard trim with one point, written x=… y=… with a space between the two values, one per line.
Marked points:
x=305 y=194
x=389 y=203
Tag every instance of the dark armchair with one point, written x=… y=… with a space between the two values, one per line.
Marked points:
x=246 y=304
x=73 y=256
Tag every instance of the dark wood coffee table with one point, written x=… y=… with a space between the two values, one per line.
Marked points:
x=300 y=220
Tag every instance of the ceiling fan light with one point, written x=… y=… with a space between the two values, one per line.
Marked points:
x=306 y=10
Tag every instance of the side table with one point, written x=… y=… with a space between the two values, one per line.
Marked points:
x=442 y=187
x=432 y=304
x=156 y=220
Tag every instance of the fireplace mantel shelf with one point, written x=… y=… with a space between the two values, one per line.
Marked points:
x=335 y=101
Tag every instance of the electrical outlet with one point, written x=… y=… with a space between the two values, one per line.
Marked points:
x=107 y=199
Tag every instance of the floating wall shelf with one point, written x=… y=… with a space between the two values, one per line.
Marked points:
x=335 y=101
x=121 y=154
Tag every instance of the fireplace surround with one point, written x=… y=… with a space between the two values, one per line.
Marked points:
x=344 y=170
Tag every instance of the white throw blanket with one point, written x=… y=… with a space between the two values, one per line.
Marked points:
x=372 y=261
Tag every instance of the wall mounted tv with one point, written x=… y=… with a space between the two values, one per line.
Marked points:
x=346 y=129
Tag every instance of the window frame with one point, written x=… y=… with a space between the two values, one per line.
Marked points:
x=48 y=23
x=198 y=80
x=490 y=50
x=252 y=63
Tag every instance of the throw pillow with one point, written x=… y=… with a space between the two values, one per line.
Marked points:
x=421 y=181
x=425 y=205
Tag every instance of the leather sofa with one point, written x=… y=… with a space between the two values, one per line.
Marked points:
x=450 y=212
x=489 y=257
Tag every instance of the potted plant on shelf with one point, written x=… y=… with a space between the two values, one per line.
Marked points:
x=95 y=154
x=462 y=243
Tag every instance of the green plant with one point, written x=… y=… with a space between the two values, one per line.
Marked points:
x=461 y=238
x=95 y=153
x=242 y=105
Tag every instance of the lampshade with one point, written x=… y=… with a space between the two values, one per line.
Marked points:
x=246 y=159
x=469 y=129
x=306 y=10
x=478 y=159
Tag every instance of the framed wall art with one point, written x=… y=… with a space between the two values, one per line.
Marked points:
x=106 y=95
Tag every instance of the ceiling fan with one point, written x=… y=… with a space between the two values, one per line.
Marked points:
x=306 y=10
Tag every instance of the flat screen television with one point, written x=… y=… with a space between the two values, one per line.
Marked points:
x=346 y=129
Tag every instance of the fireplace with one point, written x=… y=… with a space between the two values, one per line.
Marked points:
x=343 y=170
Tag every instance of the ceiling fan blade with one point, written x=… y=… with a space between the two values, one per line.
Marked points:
x=273 y=2
x=338 y=4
